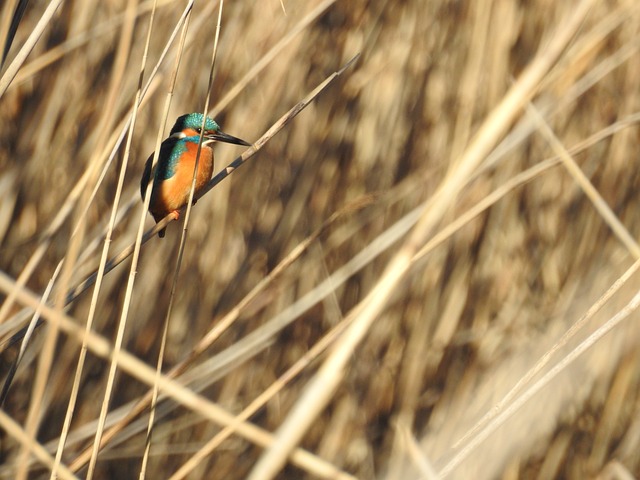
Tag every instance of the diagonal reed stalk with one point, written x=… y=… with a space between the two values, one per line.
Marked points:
x=320 y=390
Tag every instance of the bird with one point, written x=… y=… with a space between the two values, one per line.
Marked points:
x=173 y=174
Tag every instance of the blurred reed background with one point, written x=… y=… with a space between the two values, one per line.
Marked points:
x=467 y=322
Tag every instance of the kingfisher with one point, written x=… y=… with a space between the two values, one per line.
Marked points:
x=173 y=174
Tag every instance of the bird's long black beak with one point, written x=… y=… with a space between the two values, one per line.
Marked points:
x=220 y=136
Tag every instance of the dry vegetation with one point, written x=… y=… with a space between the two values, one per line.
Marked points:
x=449 y=330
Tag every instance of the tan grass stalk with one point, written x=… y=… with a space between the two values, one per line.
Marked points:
x=27 y=336
x=225 y=322
x=125 y=39
x=422 y=463
x=48 y=350
x=103 y=348
x=10 y=426
x=551 y=107
x=64 y=211
x=24 y=52
x=271 y=55
x=469 y=85
x=529 y=393
x=587 y=187
x=302 y=363
x=58 y=52
x=6 y=13
x=45 y=361
x=319 y=391
x=36 y=257
x=546 y=358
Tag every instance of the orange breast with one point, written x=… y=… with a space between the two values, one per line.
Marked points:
x=173 y=193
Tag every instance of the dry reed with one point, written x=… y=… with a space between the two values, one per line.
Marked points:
x=443 y=241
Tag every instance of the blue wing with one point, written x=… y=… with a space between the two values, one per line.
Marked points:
x=170 y=152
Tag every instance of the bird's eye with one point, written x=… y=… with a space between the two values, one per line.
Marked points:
x=198 y=129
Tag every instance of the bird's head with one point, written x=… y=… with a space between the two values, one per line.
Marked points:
x=190 y=125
